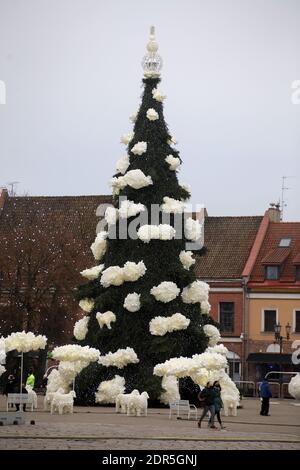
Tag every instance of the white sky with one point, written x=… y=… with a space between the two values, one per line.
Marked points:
x=73 y=76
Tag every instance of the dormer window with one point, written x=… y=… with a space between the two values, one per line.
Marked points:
x=272 y=273
x=285 y=242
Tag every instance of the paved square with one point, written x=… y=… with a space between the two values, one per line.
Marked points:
x=102 y=428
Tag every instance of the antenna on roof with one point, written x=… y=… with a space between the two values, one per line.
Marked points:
x=284 y=188
x=12 y=192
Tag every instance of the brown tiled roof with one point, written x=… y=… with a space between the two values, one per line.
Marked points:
x=228 y=241
x=296 y=259
x=276 y=231
x=276 y=256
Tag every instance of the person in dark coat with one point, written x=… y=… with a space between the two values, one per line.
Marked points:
x=218 y=403
x=207 y=396
x=10 y=385
x=265 y=394
x=23 y=391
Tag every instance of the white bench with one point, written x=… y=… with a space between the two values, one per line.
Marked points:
x=182 y=407
x=19 y=399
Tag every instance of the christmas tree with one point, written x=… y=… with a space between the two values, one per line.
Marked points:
x=143 y=301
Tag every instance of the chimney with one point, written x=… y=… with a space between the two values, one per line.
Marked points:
x=274 y=212
x=3 y=197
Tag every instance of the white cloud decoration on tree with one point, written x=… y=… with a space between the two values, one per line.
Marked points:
x=111 y=215
x=192 y=229
x=136 y=179
x=74 y=352
x=98 y=247
x=130 y=209
x=156 y=232
x=108 y=390
x=158 y=95
x=173 y=162
x=159 y=326
x=123 y=164
x=132 y=302
x=92 y=273
x=126 y=138
x=196 y=292
x=133 y=117
x=86 y=304
x=81 y=328
x=172 y=206
x=186 y=258
x=213 y=334
x=120 y=358
x=152 y=115
x=115 y=275
x=25 y=342
x=165 y=292
x=139 y=148
x=105 y=319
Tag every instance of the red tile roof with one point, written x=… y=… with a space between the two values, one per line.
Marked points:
x=228 y=241
x=270 y=250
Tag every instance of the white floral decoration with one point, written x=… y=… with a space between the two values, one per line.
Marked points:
x=120 y=358
x=158 y=95
x=165 y=292
x=192 y=229
x=130 y=209
x=126 y=138
x=105 y=319
x=139 y=148
x=108 y=390
x=74 y=353
x=98 y=247
x=205 y=307
x=172 y=206
x=115 y=275
x=81 y=328
x=133 y=117
x=2 y=370
x=186 y=258
x=213 y=334
x=218 y=348
x=92 y=273
x=86 y=304
x=2 y=350
x=156 y=232
x=123 y=164
x=186 y=187
x=111 y=215
x=152 y=115
x=117 y=184
x=137 y=179
x=132 y=302
x=171 y=393
x=25 y=342
x=159 y=326
x=294 y=387
x=68 y=370
x=173 y=162
x=196 y=292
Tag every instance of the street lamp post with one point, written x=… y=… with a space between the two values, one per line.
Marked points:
x=279 y=340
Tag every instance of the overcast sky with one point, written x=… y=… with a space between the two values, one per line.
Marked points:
x=72 y=70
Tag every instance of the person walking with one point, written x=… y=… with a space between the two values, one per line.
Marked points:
x=207 y=397
x=265 y=394
x=218 y=403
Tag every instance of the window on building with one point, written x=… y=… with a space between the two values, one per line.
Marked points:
x=298 y=273
x=269 y=320
x=285 y=242
x=272 y=272
x=227 y=317
x=297 y=321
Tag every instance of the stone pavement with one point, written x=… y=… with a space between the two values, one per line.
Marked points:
x=101 y=428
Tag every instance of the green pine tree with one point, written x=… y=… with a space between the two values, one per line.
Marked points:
x=160 y=257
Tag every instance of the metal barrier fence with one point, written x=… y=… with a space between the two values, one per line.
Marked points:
x=247 y=387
